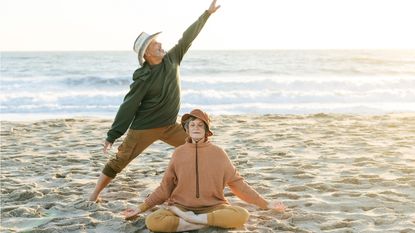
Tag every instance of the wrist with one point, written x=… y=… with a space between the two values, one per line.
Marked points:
x=143 y=207
x=269 y=205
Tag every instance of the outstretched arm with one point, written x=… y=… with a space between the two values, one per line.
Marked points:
x=180 y=49
x=244 y=191
x=161 y=194
x=126 y=112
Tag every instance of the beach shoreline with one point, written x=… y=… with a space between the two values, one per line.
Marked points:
x=335 y=172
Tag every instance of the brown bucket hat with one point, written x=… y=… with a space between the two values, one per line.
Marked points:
x=198 y=114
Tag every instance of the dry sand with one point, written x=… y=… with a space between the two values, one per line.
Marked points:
x=336 y=173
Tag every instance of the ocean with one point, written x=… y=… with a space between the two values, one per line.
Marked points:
x=69 y=84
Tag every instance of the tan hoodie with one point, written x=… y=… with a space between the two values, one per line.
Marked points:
x=196 y=177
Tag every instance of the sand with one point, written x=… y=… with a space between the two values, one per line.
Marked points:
x=336 y=173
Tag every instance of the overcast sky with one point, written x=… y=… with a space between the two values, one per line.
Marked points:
x=44 y=25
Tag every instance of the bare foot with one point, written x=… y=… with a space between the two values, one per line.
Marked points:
x=86 y=205
x=189 y=216
x=93 y=197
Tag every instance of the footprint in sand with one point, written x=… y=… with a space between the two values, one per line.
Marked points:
x=84 y=204
x=18 y=195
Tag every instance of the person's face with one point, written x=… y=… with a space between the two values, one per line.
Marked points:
x=197 y=129
x=155 y=49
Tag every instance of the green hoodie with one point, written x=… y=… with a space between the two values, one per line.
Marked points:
x=154 y=97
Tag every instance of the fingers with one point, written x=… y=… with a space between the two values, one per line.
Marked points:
x=127 y=212
x=107 y=145
x=130 y=214
x=280 y=207
x=213 y=8
x=277 y=205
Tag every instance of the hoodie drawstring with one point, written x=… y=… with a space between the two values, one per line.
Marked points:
x=197 y=174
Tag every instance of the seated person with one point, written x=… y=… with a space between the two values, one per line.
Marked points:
x=193 y=185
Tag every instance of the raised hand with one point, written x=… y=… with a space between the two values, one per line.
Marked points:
x=213 y=8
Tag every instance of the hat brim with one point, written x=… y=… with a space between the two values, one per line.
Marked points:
x=144 y=47
x=188 y=115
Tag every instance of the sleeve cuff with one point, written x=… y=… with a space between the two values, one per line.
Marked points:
x=143 y=207
x=149 y=203
x=110 y=139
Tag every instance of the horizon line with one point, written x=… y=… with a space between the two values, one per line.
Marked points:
x=213 y=50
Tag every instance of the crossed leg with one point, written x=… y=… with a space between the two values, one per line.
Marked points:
x=173 y=219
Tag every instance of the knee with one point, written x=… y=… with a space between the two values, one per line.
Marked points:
x=241 y=216
x=109 y=171
x=230 y=217
x=151 y=223
x=161 y=222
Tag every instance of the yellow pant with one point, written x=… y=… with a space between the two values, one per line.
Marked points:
x=224 y=216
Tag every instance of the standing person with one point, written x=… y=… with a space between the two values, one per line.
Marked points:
x=193 y=186
x=151 y=106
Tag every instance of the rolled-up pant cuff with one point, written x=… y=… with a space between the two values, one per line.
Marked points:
x=108 y=171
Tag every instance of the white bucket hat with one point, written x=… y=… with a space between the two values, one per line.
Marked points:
x=141 y=44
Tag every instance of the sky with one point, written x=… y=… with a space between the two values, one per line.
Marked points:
x=61 y=25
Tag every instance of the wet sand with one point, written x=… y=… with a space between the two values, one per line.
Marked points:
x=336 y=173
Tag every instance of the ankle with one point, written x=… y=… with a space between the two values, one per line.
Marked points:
x=200 y=219
x=93 y=197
